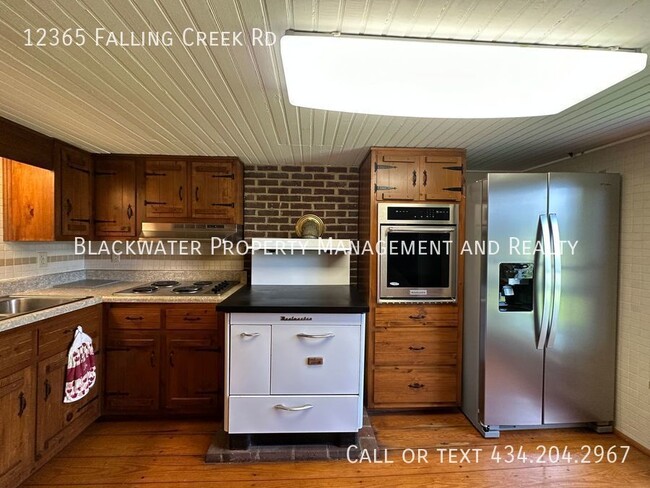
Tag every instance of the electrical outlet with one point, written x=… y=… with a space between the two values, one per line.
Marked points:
x=42 y=259
x=115 y=258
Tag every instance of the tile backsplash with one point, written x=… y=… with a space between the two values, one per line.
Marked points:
x=632 y=160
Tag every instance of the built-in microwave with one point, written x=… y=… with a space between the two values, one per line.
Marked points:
x=417 y=252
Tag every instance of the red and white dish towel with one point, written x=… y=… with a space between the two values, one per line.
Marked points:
x=81 y=373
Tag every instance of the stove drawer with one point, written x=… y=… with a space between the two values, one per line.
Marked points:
x=315 y=359
x=278 y=414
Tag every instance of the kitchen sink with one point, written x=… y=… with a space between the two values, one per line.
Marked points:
x=10 y=306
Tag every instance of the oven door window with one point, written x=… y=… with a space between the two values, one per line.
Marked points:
x=418 y=259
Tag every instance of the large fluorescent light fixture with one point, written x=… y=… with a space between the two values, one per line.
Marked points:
x=425 y=78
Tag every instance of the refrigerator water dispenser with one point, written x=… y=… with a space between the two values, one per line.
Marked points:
x=516 y=287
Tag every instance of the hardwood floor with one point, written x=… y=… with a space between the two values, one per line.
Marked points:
x=158 y=454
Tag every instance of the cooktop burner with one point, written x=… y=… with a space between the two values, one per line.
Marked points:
x=165 y=283
x=175 y=288
x=144 y=289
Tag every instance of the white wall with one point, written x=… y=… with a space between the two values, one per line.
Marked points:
x=632 y=160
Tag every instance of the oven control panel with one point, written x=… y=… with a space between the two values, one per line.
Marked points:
x=419 y=213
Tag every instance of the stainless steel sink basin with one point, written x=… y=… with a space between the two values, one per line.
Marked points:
x=10 y=306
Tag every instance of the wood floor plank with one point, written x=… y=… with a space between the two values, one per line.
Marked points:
x=155 y=455
x=418 y=420
x=139 y=445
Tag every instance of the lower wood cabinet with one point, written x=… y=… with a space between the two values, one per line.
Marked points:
x=177 y=351
x=414 y=356
x=18 y=410
x=35 y=424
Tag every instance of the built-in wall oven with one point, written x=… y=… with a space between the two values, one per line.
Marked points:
x=417 y=252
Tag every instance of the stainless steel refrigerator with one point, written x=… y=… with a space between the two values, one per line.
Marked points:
x=540 y=316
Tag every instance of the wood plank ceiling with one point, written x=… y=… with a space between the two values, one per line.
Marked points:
x=232 y=100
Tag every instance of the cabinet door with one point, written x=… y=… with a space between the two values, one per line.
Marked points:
x=132 y=371
x=214 y=190
x=28 y=202
x=193 y=371
x=17 y=408
x=76 y=192
x=115 y=198
x=442 y=178
x=165 y=192
x=53 y=415
x=250 y=359
x=396 y=177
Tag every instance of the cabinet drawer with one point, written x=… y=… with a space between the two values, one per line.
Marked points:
x=16 y=348
x=314 y=414
x=134 y=317
x=57 y=334
x=309 y=359
x=404 y=385
x=442 y=315
x=416 y=346
x=250 y=360
x=191 y=318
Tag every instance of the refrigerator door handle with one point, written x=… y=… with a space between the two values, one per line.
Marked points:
x=544 y=318
x=557 y=278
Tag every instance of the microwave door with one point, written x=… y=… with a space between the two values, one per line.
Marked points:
x=419 y=262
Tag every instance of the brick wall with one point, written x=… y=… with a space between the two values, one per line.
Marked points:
x=277 y=196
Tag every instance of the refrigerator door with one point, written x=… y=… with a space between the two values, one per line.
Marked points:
x=512 y=365
x=581 y=348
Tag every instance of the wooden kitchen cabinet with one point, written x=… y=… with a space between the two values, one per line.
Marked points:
x=18 y=409
x=165 y=191
x=216 y=190
x=195 y=189
x=177 y=350
x=58 y=422
x=74 y=184
x=132 y=371
x=115 y=198
x=28 y=196
x=193 y=371
x=408 y=174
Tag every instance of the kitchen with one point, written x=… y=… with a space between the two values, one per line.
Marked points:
x=108 y=115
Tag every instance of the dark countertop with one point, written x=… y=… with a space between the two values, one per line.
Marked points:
x=296 y=298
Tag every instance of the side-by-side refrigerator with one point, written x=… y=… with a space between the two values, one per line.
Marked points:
x=541 y=279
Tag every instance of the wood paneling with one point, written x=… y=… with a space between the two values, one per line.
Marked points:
x=19 y=143
x=28 y=213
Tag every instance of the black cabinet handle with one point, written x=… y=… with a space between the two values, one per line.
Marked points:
x=171 y=359
x=230 y=176
x=22 y=403
x=100 y=221
x=129 y=212
x=415 y=177
x=180 y=193
x=48 y=389
x=416 y=348
x=152 y=359
x=130 y=317
x=454 y=188
x=80 y=220
x=453 y=168
x=231 y=205
x=418 y=317
x=416 y=386
x=149 y=202
x=191 y=319
x=196 y=194
x=424 y=178
x=68 y=206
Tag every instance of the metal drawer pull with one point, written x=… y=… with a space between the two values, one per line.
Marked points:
x=416 y=348
x=306 y=406
x=249 y=334
x=130 y=317
x=316 y=336
x=416 y=385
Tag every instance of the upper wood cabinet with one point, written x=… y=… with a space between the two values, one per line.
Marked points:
x=73 y=174
x=165 y=189
x=418 y=174
x=115 y=198
x=28 y=202
x=193 y=189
